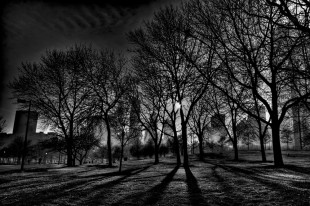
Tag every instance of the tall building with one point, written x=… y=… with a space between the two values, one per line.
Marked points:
x=19 y=130
x=300 y=116
x=20 y=123
x=253 y=121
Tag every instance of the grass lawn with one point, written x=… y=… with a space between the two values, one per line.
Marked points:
x=215 y=181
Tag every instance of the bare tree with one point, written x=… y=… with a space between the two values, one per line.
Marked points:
x=150 y=106
x=267 y=139
x=160 y=42
x=156 y=104
x=171 y=124
x=56 y=90
x=222 y=105
x=260 y=128
x=246 y=133
x=107 y=79
x=83 y=144
x=296 y=11
x=256 y=53
x=286 y=136
x=125 y=130
x=200 y=121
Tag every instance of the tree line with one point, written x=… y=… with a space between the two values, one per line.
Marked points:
x=188 y=63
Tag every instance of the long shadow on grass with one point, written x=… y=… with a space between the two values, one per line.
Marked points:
x=98 y=198
x=159 y=189
x=53 y=177
x=294 y=168
x=48 y=195
x=227 y=189
x=195 y=193
x=154 y=194
x=287 y=193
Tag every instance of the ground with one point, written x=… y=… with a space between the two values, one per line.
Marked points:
x=216 y=181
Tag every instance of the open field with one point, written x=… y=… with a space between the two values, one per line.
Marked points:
x=216 y=181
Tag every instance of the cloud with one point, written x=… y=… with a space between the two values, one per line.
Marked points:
x=32 y=27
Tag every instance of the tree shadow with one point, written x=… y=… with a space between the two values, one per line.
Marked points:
x=287 y=192
x=73 y=189
x=100 y=166
x=97 y=199
x=228 y=190
x=126 y=172
x=293 y=168
x=10 y=171
x=195 y=193
x=303 y=185
x=154 y=194
x=159 y=189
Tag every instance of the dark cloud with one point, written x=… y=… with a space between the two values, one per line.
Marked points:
x=29 y=28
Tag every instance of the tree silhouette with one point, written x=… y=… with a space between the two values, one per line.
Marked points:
x=200 y=121
x=107 y=80
x=150 y=101
x=256 y=53
x=297 y=12
x=125 y=130
x=57 y=91
x=162 y=43
x=286 y=137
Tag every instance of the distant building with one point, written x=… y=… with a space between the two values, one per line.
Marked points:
x=20 y=123
x=300 y=124
x=168 y=132
x=19 y=131
x=252 y=122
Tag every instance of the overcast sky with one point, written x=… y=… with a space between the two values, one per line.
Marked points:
x=31 y=27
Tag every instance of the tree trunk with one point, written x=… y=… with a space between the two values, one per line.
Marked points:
x=182 y=149
x=176 y=145
x=59 y=158
x=287 y=145
x=73 y=159
x=122 y=150
x=108 y=140
x=277 y=153
x=70 y=146
x=235 y=145
x=69 y=153
x=299 y=127
x=262 y=148
x=184 y=140
x=156 y=152
x=200 y=147
x=121 y=161
x=82 y=157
